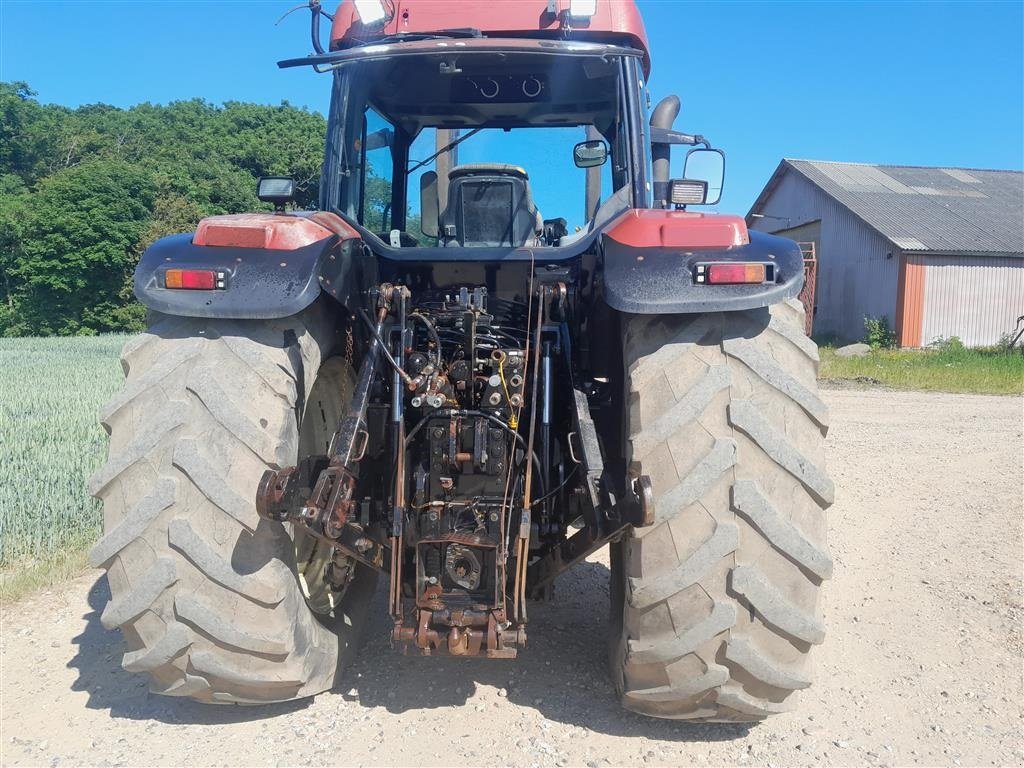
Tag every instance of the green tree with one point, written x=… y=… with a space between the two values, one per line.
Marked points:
x=28 y=139
x=77 y=244
x=84 y=191
x=13 y=199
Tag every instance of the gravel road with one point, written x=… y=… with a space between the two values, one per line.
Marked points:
x=922 y=666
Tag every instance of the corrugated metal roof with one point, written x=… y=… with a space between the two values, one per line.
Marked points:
x=933 y=210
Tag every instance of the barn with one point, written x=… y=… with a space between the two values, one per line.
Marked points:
x=937 y=251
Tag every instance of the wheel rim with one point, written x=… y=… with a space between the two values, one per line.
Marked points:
x=324 y=574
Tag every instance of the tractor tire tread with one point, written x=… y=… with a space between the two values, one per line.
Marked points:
x=716 y=605
x=204 y=591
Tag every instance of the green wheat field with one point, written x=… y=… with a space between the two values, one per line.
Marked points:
x=51 y=392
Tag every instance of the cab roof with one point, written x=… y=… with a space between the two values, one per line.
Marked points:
x=613 y=21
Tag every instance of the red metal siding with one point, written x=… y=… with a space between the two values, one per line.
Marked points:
x=910 y=300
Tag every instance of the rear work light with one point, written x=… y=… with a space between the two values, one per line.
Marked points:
x=735 y=273
x=195 y=279
x=688 y=191
x=371 y=11
x=582 y=9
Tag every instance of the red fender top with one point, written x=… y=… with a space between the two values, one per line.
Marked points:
x=658 y=228
x=271 y=231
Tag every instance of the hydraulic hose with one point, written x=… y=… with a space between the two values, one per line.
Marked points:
x=432 y=332
x=314 y=28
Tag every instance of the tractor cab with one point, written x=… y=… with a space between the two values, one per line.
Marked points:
x=479 y=144
x=503 y=130
x=487 y=131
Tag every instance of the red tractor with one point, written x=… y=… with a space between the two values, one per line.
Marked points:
x=431 y=380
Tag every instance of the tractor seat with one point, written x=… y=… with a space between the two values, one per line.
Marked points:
x=490 y=204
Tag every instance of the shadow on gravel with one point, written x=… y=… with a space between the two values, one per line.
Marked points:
x=97 y=659
x=562 y=672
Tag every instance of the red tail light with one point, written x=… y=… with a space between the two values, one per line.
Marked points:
x=194 y=279
x=735 y=274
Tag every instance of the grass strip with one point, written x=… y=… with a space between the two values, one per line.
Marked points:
x=961 y=370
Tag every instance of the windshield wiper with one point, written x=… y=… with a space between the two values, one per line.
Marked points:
x=446 y=148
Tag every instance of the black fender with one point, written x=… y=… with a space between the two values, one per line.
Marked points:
x=259 y=283
x=655 y=280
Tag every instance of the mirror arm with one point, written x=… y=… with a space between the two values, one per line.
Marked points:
x=669 y=136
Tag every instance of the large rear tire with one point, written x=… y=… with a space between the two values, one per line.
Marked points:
x=206 y=594
x=716 y=606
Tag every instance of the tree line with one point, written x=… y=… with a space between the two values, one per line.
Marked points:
x=83 y=192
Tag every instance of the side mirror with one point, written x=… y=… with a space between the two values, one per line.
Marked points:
x=708 y=166
x=590 y=154
x=429 y=212
x=277 y=190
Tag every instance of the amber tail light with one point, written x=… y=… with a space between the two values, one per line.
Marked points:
x=195 y=279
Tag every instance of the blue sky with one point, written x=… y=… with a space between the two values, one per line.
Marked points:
x=909 y=83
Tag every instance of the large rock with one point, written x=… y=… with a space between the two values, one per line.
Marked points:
x=853 y=350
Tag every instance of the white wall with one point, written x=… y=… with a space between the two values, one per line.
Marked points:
x=974 y=298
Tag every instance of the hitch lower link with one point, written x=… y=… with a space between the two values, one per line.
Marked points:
x=329 y=501
x=319 y=493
